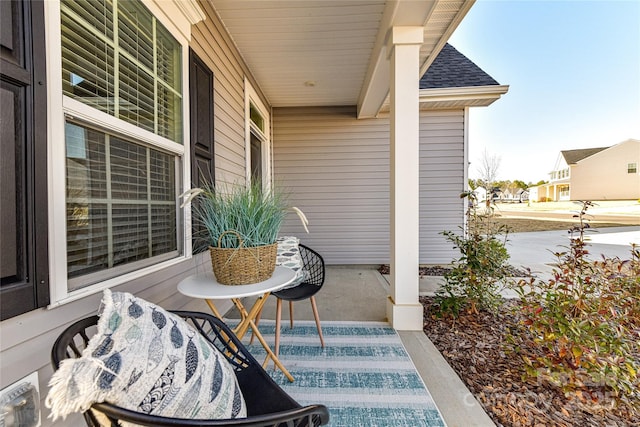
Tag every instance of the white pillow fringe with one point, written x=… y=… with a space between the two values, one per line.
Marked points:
x=75 y=386
x=64 y=388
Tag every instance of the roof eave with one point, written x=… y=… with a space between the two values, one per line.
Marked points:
x=472 y=96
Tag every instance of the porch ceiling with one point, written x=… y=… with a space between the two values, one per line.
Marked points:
x=331 y=52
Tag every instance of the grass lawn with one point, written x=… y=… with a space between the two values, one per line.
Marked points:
x=520 y=225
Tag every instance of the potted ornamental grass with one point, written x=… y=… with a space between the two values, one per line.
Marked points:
x=240 y=225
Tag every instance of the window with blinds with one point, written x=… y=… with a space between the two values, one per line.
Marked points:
x=118 y=58
x=120 y=192
x=121 y=208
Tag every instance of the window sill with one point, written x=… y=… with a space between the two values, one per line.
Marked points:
x=116 y=281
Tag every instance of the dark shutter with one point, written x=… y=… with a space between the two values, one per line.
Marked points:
x=202 y=144
x=23 y=168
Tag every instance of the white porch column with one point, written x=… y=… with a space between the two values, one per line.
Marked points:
x=403 y=308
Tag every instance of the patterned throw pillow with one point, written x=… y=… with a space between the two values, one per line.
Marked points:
x=289 y=256
x=148 y=360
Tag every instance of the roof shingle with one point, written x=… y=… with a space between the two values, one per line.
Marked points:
x=453 y=69
x=574 y=156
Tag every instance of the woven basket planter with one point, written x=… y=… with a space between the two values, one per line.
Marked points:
x=243 y=265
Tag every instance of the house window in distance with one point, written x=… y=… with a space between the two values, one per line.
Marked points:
x=632 y=168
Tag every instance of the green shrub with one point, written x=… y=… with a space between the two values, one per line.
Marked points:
x=585 y=322
x=477 y=277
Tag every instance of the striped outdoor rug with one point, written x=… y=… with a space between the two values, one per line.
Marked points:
x=363 y=375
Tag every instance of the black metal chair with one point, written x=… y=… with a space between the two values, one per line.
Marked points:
x=313 y=264
x=267 y=404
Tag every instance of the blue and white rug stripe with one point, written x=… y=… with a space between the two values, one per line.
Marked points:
x=363 y=375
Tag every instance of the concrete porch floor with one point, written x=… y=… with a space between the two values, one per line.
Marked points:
x=359 y=294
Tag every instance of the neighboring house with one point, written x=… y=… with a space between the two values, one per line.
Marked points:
x=604 y=173
x=511 y=195
x=506 y=195
x=109 y=114
x=522 y=195
x=481 y=194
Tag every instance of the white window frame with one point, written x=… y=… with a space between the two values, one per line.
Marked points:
x=59 y=107
x=251 y=97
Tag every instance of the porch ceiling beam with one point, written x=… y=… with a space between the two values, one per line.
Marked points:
x=426 y=14
x=376 y=87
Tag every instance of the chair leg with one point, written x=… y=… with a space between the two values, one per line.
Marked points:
x=278 y=316
x=291 y=314
x=314 y=307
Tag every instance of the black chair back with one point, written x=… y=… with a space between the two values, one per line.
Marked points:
x=313 y=263
x=267 y=404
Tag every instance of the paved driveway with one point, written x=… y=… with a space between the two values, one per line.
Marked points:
x=535 y=249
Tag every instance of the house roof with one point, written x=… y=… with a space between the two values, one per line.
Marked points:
x=454 y=81
x=574 y=156
x=453 y=69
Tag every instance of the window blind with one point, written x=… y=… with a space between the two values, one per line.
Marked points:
x=121 y=203
x=118 y=58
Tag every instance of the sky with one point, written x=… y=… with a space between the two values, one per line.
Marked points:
x=573 y=70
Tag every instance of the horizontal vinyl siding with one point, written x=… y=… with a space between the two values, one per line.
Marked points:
x=337 y=171
x=604 y=175
x=441 y=182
